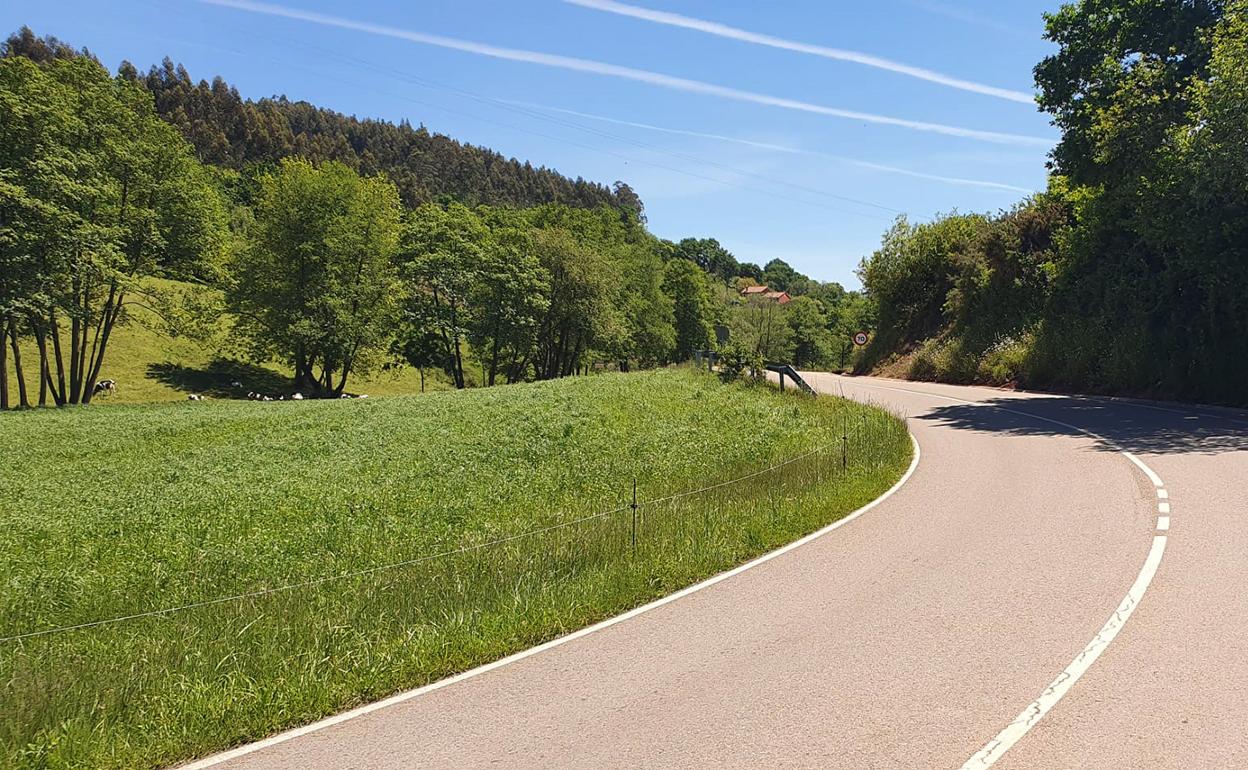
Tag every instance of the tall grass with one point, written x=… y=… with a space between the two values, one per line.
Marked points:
x=529 y=537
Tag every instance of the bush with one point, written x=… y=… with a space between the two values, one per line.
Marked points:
x=738 y=361
x=1005 y=361
x=943 y=360
x=923 y=364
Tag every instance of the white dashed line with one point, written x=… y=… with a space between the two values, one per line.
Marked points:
x=1163 y=523
x=1163 y=507
x=1162 y=494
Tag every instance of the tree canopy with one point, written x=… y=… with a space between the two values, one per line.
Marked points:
x=315 y=287
x=1130 y=274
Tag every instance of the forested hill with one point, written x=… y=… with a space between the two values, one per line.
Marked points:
x=230 y=131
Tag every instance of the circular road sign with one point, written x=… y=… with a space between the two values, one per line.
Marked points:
x=860 y=338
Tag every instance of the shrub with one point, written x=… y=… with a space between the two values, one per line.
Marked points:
x=738 y=361
x=1005 y=361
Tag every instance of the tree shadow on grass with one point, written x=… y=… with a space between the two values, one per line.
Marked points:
x=218 y=377
x=1125 y=425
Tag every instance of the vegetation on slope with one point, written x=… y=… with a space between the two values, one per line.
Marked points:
x=323 y=269
x=150 y=365
x=126 y=510
x=1129 y=275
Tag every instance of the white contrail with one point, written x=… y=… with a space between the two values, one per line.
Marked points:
x=626 y=73
x=840 y=54
x=963 y=15
x=780 y=148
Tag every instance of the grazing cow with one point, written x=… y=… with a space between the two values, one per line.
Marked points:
x=194 y=397
x=297 y=397
x=104 y=386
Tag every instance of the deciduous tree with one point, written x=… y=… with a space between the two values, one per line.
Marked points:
x=316 y=287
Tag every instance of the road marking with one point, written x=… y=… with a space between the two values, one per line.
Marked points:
x=996 y=748
x=273 y=740
x=1153 y=477
x=1036 y=710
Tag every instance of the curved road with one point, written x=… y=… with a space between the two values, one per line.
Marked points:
x=928 y=632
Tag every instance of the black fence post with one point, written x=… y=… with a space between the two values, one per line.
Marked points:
x=634 y=507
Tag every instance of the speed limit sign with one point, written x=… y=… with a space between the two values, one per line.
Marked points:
x=860 y=338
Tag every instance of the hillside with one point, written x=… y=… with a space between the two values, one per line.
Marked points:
x=1129 y=275
x=151 y=366
x=238 y=133
x=303 y=221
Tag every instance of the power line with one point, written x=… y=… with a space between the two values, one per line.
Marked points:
x=262 y=592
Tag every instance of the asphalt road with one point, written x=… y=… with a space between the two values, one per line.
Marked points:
x=1019 y=600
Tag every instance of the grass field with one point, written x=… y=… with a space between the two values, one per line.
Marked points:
x=119 y=510
x=150 y=366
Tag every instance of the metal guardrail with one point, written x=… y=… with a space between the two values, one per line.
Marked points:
x=787 y=370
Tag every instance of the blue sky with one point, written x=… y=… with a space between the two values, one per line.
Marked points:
x=737 y=131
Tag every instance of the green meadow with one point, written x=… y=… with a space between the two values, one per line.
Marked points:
x=505 y=510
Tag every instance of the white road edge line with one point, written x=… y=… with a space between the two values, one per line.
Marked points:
x=1152 y=476
x=273 y=740
x=996 y=748
x=1036 y=710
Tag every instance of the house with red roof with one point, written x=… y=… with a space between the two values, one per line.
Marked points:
x=764 y=292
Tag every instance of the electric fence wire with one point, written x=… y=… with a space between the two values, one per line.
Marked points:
x=258 y=593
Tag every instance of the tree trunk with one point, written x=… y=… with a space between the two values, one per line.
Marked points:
x=421 y=369
x=301 y=368
x=342 y=382
x=17 y=366
x=45 y=372
x=43 y=369
x=517 y=367
x=73 y=360
x=459 y=356
x=112 y=312
x=4 y=379
x=494 y=356
x=460 y=382
x=59 y=392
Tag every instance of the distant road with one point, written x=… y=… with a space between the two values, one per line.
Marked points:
x=1031 y=597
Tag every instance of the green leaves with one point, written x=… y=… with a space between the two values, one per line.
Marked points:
x=96 y=193
x=693 y=310
x=316 y=287
x=1121 y=78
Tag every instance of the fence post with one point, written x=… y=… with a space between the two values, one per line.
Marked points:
x=634 y=507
